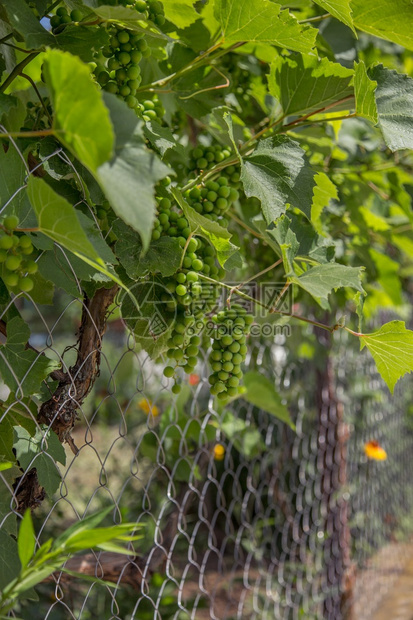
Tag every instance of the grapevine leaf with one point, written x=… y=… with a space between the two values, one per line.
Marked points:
x=262 y=393
x=210 y=230
x=26 y=541
x=58 y=220
x=389 y=19
x=163 y=255
x=364 y=89
x=82 y=41
x=340 y=9
x=263 y=21
x=23 y=370
x=321 y=280
x=128 y=180
x=40 y=451
x=394 y=100
x=392 y=349
x=12 y=175
x=180 y=12
x=277 y=173
x=7 y=103
x=81 y=120
x=162 y=138
x=9 y=560
x=324 y=191
x=303 y=83
x=23 y=20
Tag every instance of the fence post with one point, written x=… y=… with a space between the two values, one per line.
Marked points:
x=333 y=433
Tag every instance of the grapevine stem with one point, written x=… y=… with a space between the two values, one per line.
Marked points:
x=328 y=328
x=317 y=18
x=28 y=134
x=254 y=277
x=185 y=248
x=51 y=7
x=241 y=223
x=17 y=70
x=36 y=90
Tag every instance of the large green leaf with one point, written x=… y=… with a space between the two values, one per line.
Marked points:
x=263 y=21
x=24 y=21
x=245 y=436
x=278 y=174
x=129 y=179
x=163 y=256
x=180 y=12
x=261 y=392
x=21 y=369
x=394 y=100
x=305 y=84
x=392 y=349
x=340 y=9
x=321 y=280
x=364 y=89
x=81 y=119
x=387 y=19
x=7 y=103
x=57 y=219
x=82 y=41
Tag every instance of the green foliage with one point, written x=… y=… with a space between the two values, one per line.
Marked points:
x=168 y=148
x=25 y=567
x=263 y=21
x=392 y=349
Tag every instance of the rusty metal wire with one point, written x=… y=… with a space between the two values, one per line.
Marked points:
x=306 y=527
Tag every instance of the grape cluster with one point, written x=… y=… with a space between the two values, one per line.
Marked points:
x=213 y=199
x=151 y=109
x=122 y=73
x=205 y=157
x=63 y=17
x=14 y=257
x=228 y=350
x=247 y=75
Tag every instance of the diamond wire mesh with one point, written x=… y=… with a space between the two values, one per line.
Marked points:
x=293 y=531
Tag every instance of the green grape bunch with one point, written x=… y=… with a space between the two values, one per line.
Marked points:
x=229 y=349
x=62 y=18
x=15 y=261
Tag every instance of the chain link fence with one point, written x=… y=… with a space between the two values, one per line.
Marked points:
x=241 y=516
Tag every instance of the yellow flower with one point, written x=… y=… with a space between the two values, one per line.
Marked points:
x=147 y=407
x=374 y=451
x=219 y=452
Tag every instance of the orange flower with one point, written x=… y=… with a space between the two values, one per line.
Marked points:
x=194 y=379
x=147 y=407
x=374 y=451
x=219 y=452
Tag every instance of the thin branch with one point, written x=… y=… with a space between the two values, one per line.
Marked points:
x=317 y=18
x=17 y=70
x=244 y=225
x=36 y=90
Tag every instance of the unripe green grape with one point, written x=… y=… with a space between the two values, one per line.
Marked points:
x=10 y=279
x=169 y=372
x=76 y=16
x=176 y=388
x=181 y=278
x=13 y=262
x=31 y=267
x=112 y=87
x=132 y=102
x=197 y=264
x=11 y=222
x=25 y=284
x=6 y=242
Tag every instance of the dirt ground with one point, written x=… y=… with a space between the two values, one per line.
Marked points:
x=384 y=590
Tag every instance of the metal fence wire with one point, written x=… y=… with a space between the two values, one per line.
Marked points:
x=241 y=516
